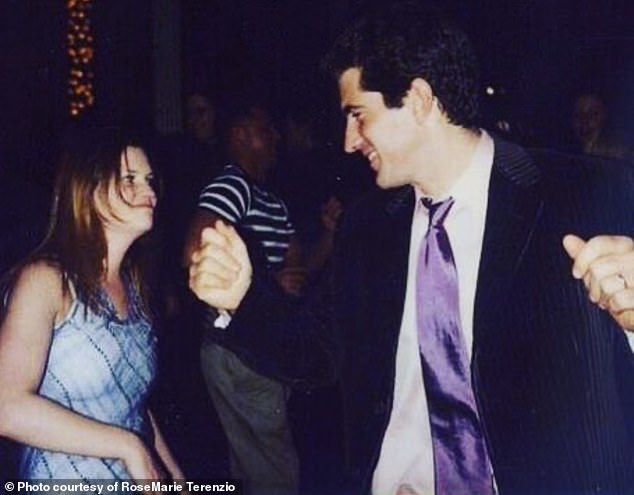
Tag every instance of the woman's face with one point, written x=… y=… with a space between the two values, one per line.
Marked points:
x=128 y=205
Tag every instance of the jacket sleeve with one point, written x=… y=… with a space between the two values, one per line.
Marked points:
x=296 y=342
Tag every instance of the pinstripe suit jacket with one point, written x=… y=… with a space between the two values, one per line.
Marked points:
x=553 y=374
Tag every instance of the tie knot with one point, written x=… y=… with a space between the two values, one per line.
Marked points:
x=437 y=211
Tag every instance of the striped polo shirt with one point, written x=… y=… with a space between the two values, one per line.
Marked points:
x=239 y=200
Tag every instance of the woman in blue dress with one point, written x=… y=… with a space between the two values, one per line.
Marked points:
x=77 y=349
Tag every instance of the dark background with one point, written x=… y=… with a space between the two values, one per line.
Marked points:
x=539 y=53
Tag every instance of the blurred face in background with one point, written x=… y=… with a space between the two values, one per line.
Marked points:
x=258 y=138
x=201 y=118
x=588 y=118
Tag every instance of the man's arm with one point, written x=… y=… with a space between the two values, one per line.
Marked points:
x=220 y=269
x=296 y=272
x=227 y=198
x=292 y=276
x=606 y=266
x=294 y=343
x=202 y=220
x=322 y=250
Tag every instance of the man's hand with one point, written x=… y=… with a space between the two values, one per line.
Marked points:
x=220 y=270
x=606 y=266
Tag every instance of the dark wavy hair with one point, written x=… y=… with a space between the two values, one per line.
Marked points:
x=394 y=45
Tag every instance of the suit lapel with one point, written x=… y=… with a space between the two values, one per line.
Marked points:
x=513 y=209
x=514 y=205
x=394 y=246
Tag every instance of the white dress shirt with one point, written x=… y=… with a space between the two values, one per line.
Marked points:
x=406 y=453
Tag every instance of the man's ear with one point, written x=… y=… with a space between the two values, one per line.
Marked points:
x=421 y=99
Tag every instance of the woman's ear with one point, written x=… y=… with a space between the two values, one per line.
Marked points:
x=421 y=98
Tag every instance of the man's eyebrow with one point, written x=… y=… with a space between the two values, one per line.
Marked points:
x=346 y=109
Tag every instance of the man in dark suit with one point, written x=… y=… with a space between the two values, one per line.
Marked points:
x=470 y=359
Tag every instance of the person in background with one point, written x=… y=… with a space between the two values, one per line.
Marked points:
x=201 y=119
x=77 y=347
x=251 y=406
x=590 y=125
x=186 y=162
x=307 y=180
x=471 y=360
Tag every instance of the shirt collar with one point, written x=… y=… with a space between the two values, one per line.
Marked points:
x=472 y=186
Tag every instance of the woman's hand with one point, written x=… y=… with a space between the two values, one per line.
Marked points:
x=140 y=462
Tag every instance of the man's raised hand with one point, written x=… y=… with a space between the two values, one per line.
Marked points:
x=606 y=266
x=220 y=270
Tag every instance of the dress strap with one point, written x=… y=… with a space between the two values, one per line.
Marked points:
x=74 y=303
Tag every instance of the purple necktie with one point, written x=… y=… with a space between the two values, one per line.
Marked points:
x=461 y=464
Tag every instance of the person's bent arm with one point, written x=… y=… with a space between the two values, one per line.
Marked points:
x=37 y=302
x=292 y=277
x=220 y=269
x=323 y=248
x=202 y=219
x=296 y=344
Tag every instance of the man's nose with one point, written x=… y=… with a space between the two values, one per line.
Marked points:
x=352 y=138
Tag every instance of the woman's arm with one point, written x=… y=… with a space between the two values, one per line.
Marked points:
x=37 y=302
x=164 y=452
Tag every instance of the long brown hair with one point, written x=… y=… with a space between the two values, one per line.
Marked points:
x=75 y=239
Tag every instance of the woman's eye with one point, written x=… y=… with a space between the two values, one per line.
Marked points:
x=128 y=179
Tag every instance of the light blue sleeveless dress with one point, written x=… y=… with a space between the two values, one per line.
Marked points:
x=102 y=367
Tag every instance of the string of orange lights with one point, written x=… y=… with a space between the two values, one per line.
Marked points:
x=81 y=52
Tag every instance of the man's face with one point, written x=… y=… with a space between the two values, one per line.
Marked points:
x=260 y=137
x=200 y=118
x=588 y=117
x=387 y=137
